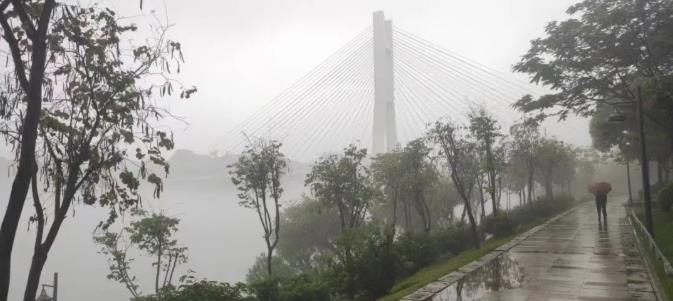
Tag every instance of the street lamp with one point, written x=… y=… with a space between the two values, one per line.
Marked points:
x=44 y=296
x=644 y=162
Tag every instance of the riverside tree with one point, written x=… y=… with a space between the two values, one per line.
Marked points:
x=153 y=234
x=257 y=175
x=420 y=175
x=342 y=182
x=463 y=165
x=486 y=130
x=96 y=123
x=523 y=150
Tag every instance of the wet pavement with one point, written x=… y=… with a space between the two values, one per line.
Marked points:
x=571 y=257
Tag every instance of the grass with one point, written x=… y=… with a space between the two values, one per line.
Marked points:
x=433 y=272
x=663 y=227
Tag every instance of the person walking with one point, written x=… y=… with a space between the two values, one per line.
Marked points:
x=600 y=190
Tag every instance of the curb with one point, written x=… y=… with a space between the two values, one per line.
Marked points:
x=430 y=290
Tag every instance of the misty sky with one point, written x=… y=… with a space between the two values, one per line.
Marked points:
x=242 y=53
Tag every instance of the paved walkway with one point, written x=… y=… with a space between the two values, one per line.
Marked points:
x=570 y=258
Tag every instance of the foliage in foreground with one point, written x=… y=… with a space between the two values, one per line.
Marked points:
x=201 y=291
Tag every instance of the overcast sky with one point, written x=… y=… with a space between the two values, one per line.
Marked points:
x=242 y=53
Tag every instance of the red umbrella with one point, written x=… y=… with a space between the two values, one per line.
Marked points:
x=600 y=188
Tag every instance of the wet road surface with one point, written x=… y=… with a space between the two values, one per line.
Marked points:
x=570 y=258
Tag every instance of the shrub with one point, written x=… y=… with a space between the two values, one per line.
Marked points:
x=499 y=225
x=454 y=239
x=363 y=264
x=203 y=290
x=665 y=197
x=415 y=251
x=304 y=287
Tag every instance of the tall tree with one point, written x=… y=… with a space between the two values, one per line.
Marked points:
x=22 y=25
x=388 y=176
x=419 y=176
x=342 y=181
x=99 y=104
x=257 y=176
x=486 y=131
x=551 y=156
x=600 y=54
x=463 y=164
x=525 y=142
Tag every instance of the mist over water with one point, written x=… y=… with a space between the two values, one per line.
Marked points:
x=223 y=238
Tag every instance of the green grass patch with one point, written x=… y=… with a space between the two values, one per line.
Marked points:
x=433 y=272
x=663 y=227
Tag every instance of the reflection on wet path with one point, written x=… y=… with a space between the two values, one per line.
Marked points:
x=570 y=258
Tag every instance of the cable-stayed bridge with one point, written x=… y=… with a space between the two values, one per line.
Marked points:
x=379 y=91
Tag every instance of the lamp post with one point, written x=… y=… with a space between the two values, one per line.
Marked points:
x=644 y=162
x=44 y=296
x=628 y=181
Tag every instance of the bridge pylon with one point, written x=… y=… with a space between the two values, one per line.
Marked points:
x=385 y=123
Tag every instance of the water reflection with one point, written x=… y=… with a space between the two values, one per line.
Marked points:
x=501 y=273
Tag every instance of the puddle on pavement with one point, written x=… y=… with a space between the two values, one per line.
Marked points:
x=502 y=273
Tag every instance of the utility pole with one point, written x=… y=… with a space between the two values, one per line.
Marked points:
x=645 y=164
x=385 y=123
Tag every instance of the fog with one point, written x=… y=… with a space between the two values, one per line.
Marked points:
x=241 y=54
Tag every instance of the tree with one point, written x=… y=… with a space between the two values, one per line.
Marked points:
x=406 y=176
x=600 y=54
x=607 y=135
x=257 y=175
x=363 y=263
x=307 y=229
x=21 y=24
x=259 y=273
x=486 y=130
x=523 y=152
x=153 y=234
x=461 y=159
x=100 y=104
x=550 y=157
x=342 y=182
x=419 y=176
x=202 y=290
x=388 y=177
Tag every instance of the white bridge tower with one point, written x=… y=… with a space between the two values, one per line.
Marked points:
x=385 y=124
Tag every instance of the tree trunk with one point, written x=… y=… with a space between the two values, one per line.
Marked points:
x=481 y=197
x=530 y=189
x=473 y=225
x=17 y=197
x=156 y=281
x=36 y=266
x=269 y=259
x=549 y=191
